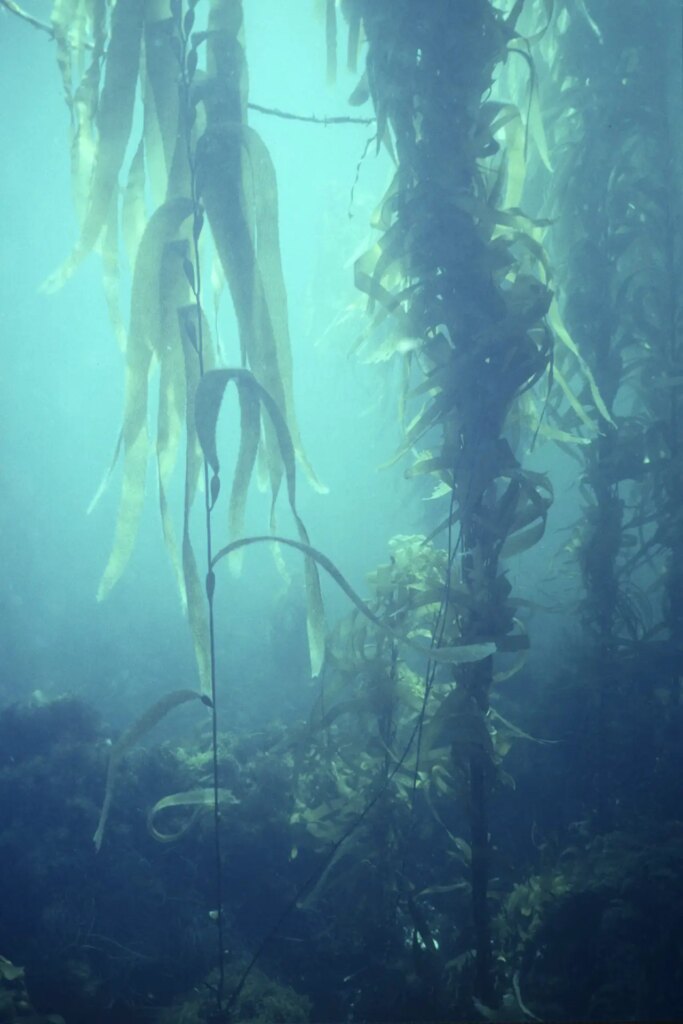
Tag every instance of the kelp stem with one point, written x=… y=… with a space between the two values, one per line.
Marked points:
x=477 y=324
x=196 y=285
x=479 y=875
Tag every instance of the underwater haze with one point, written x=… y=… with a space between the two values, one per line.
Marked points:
x=341 y=612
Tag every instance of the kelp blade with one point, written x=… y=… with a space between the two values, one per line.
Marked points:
x=456 y=655
x=199 y=799
x=142 y=725
x=208 y=400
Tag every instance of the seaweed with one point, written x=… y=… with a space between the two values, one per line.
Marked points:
x=526 y=303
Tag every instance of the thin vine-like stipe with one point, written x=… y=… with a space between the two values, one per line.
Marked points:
x=437 y=636
x=430 y=670
x=310 y=118
x=448 y=655
x=196 y=286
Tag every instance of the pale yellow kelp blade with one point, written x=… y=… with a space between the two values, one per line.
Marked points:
x=111 y=278
x=558 y=327
x=84 y=140
x=77 y=25
x=143 y=342
x=136 y=453
x=133 y=212
x=269 y=264
x=220 y=174
x=114 y=120
x=195 y=592
x=237 y=183
x=174 y=294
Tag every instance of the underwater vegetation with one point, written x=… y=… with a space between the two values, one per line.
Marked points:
x=457 y=829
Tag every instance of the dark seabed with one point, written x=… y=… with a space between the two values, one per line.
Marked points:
x=341 y=516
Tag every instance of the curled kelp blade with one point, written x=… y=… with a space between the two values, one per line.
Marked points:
x=132 y=735
x=198 y=799
x=208 y=400
x=456 y=655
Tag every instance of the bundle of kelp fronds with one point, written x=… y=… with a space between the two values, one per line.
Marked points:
x=193 y=158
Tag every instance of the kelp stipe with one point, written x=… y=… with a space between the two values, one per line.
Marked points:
x=622 y=257
x=478 y=316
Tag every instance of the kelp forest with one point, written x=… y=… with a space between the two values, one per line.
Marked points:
x=474 y=810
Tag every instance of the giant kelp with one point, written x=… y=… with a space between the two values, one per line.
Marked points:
x=620 y=259
x=447 y=268
x=398 y=763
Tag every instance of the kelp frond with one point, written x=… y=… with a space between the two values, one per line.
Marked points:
x=114 y=120
x=200 y=800
x=128 y=739
x=144 y=341
x=454 y=655
x=253 y=396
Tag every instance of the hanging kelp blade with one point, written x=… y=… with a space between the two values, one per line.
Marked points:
x=174 y=295
x=133 y=212
x=160 y=97
x=192 y=323
x=238 y=187
x=151 y=717
x=208 y=398
x=456 y=655
x=144 y=341
x=230 y=214
x=114 y=121
x=266 y=223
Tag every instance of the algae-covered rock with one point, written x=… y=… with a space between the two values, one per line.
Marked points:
x=261 y=1001
x=599 y=936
